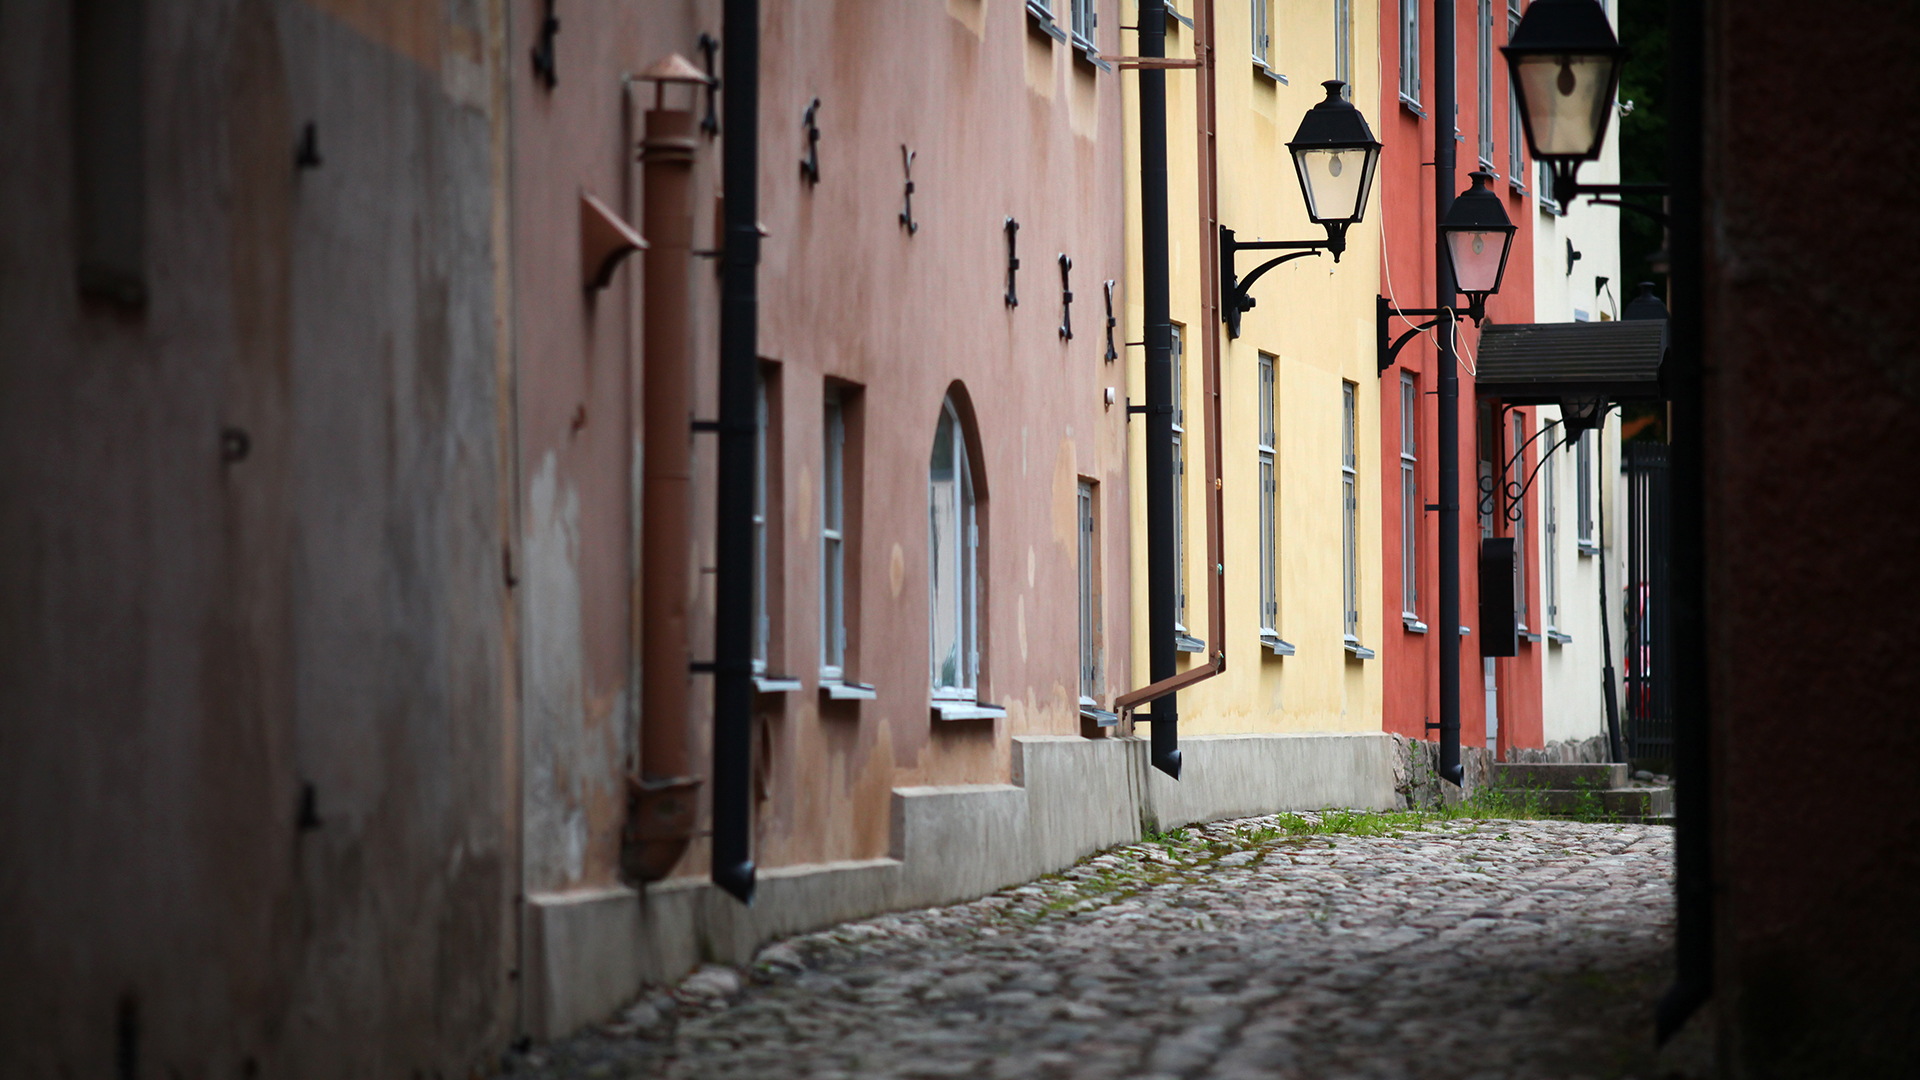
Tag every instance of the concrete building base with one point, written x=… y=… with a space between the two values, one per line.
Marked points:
x=588 y=952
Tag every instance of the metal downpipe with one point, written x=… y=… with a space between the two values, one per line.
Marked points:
x=663 y=800
x=733 y=868
x=1165 y=718
x=1449 y=426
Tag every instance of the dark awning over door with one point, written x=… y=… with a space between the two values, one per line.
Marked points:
x=1546 y=363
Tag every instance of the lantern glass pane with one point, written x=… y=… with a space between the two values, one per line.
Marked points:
x=1566 y=98
x=1335 y=182
x=1476 y=259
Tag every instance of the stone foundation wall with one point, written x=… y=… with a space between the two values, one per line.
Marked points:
x=1591 y=751
x=1416 y=769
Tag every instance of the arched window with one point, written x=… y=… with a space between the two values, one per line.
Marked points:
x=953 y=543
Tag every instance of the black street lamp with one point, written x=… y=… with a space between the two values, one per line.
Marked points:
x=1479 y=237
x=1335 y=155
x=1565 y=65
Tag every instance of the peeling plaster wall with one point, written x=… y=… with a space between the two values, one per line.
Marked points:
x=187 y=642
x=578 y=398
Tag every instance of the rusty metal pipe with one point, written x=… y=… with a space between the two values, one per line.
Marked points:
x=662 y=801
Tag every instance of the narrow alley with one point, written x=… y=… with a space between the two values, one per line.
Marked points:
x=1333 y=945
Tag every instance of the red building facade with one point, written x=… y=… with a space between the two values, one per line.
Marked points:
x=1486 y=137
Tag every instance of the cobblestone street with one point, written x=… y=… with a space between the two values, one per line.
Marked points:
x=1299 y=946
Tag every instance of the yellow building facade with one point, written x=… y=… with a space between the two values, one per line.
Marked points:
x=1299 y=392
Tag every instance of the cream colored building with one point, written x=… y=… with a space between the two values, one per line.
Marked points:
x=1299 y=390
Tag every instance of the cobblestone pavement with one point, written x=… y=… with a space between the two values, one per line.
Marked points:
x=1254 y=948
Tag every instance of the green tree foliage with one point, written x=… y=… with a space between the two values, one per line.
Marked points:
x=1643 y=138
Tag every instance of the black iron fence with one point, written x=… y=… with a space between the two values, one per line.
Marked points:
x=1649 y=638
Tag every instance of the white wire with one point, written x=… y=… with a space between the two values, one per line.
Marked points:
x=1387 y=265
x=1471 y=365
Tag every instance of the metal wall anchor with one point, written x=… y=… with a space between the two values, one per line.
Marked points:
x=906 y=215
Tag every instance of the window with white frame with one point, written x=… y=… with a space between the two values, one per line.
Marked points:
x=1185 y=641
x=1543 y=179
x=1516 y=135
x=953 y=543
x=762 y=621
x=1583 y=493
x=1410 y=510
x=1485 y=21
x=1089 y=539
x=1550 y=556
x=1410 y=52
x=1519 y=522
x=1343 y=45
x=1262 y=31
x=1350 y=508
x=1269 y=491
x=833 y=538
x=1084 y=20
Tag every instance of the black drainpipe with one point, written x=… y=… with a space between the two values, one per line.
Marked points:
x=733 y=556
x=1165 y=747
x=1449 y=434
x=1617 y=744
x=1692 y=804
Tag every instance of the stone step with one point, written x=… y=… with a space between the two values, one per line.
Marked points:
x=1546 y=775
x=1623 y=803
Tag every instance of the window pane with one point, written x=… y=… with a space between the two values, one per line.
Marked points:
x=1269 y=570
x=1486 y=81
x=760 y=624
x=1179 y=479
x=1410 y=511
x=1516 y=135
x=943 y=555
x=1179 y=533
x=1520 y=519
x=1089 y=614
x=1350 y=507
x=969 y=570
x=1583 y=460
x=1550 y=572
x=1269 y=525
x=1343 y=44
x=1410 y=49
x=832 y=558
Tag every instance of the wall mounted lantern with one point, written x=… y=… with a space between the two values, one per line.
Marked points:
x=1335 y=155
x=1565 y=65
x=1479 y=238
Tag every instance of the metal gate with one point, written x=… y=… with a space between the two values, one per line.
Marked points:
x=1649 y=638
